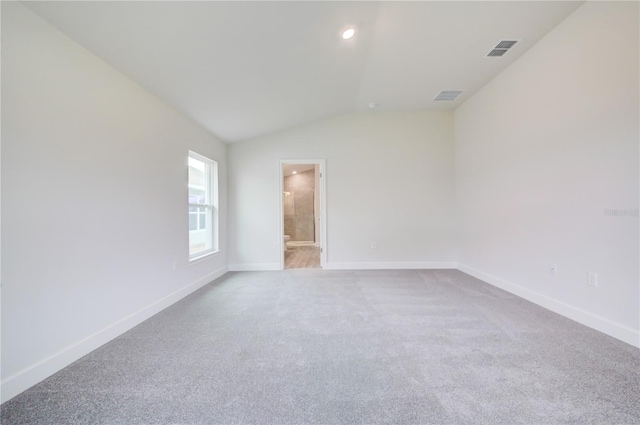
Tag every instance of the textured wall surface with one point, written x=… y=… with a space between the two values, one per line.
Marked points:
x=94 y=198
x=389 y=179
x=543 y=152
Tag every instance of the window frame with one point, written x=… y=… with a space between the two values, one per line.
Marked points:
x=211 y=204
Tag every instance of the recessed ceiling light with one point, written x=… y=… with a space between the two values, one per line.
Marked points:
x=348 y=33
x=294 y=172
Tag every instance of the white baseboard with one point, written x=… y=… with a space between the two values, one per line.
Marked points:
x=392 y=265
x=30 y=376
x=614 y=329
x=46 y=367
x=254 y=267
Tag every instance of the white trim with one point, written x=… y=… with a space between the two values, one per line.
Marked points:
x=213 y=205
x=46 y=367
x=208 y=256
x=393 y=265
x=609 y=327
x=321 y=163
x=255 y=267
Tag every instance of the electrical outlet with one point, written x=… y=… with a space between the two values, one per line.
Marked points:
x=374 y=245
x=592 y=279
x=175 y=266
x=553 y=270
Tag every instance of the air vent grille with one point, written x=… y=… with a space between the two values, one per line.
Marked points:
x=497 y=52
x=501 y=48
x=447 y=95
x=506 y=44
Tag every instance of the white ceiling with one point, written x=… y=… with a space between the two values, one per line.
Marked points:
x=244 y=69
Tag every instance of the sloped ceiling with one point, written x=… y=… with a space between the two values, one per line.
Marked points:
x=245 y=69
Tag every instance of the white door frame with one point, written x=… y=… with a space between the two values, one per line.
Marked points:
x=323 y=207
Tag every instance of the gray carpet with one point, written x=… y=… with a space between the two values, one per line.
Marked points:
x=348 y=347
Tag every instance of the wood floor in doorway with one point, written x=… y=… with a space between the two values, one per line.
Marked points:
x=302 y=257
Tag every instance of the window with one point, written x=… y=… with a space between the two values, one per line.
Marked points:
x=203 y=206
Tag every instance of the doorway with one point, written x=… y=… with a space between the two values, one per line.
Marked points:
x=302 y=217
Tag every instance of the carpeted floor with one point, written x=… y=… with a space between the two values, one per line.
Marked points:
x=348 y=347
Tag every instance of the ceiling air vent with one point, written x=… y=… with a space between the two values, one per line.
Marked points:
x=447 y=95
x=501 y=48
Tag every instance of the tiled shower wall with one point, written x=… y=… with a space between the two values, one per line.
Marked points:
x=298 y=206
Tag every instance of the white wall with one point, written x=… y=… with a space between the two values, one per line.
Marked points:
x=94 y=188
x=94 y=198
x=541 y=152
x=389 y=181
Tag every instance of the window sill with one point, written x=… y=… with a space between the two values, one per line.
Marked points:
x=203 y=257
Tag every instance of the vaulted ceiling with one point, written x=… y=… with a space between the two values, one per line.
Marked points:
x=244 y=69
